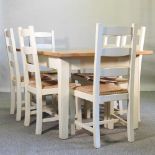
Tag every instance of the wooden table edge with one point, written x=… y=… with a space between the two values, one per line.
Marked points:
x=79 y=53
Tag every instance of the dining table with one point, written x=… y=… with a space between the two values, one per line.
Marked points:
x=66 y=61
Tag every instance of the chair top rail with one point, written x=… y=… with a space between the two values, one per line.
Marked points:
x=117 y=31
x=7 y=33
x=43 y=34
x=26 y=32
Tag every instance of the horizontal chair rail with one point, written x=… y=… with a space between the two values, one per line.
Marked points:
x=115 y=52
x=114 y=71
x=117 y=31
x=113 y=97
x=43 y=34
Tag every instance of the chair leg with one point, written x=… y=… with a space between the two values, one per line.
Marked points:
x=27 y=108
x=96 y=125
x=72 y=114
x=88 y=106
x=55 y=102
x=78 y=111
x=108 y=111
x=13 y=100
x=130 y=123
x=39 y=118
x=106 y=114
x=111 y=111
x=120 y=105
x=19 y=104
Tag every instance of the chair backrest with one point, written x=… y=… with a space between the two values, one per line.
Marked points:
x=140 y=44
x=30 y=66
x=45 y=40
x=113 y=50
x=12 y=55
x=140 y=38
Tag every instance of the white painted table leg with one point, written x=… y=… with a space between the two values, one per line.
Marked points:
x=13 y=99
x=136 y=94
x=63 y=98
x=71 y=113
x=139 y=103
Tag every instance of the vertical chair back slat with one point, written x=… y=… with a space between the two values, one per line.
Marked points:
x=12 y=54
x=15 y=77
x=31 y=50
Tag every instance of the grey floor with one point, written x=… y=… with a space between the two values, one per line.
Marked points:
x=15 y=139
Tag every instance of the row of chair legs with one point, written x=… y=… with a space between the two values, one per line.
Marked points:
x=108 y=121
x=16 y=100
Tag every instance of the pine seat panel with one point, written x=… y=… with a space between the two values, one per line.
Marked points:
x=105 y=89
x=46 y=84
x=89 y=76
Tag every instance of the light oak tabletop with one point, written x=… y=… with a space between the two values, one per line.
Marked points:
x=78 y=53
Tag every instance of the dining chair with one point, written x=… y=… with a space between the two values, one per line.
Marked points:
x=85 y=77
x=17 y=81
x=88 y=77
x=101 y=93
x=38 y=87
x=139 y=47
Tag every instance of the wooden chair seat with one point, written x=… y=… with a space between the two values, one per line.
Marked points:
x=44 y=76
x=89 y=76
x=105 y=89
x=114 y=79
x=46 y=84
x=51 y=71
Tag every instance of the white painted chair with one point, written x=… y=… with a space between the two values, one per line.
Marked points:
x=118 y=105
x=17 y=81
x=98 y=93
x=140 y=44
x=37 y=86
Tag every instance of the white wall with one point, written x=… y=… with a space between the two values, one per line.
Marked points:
x=74 y=24
x=4 y=70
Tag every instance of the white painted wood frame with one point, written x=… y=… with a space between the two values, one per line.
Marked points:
x=75 y=62
x=17 y=83
x=38 y=90
x=129 y=70
x=140 y=44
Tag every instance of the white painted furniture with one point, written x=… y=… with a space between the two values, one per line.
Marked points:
x=140 y=44
x=118 y=105
x=101 y=93
x=65 y=62
x=36 y=86
x=17 y=81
